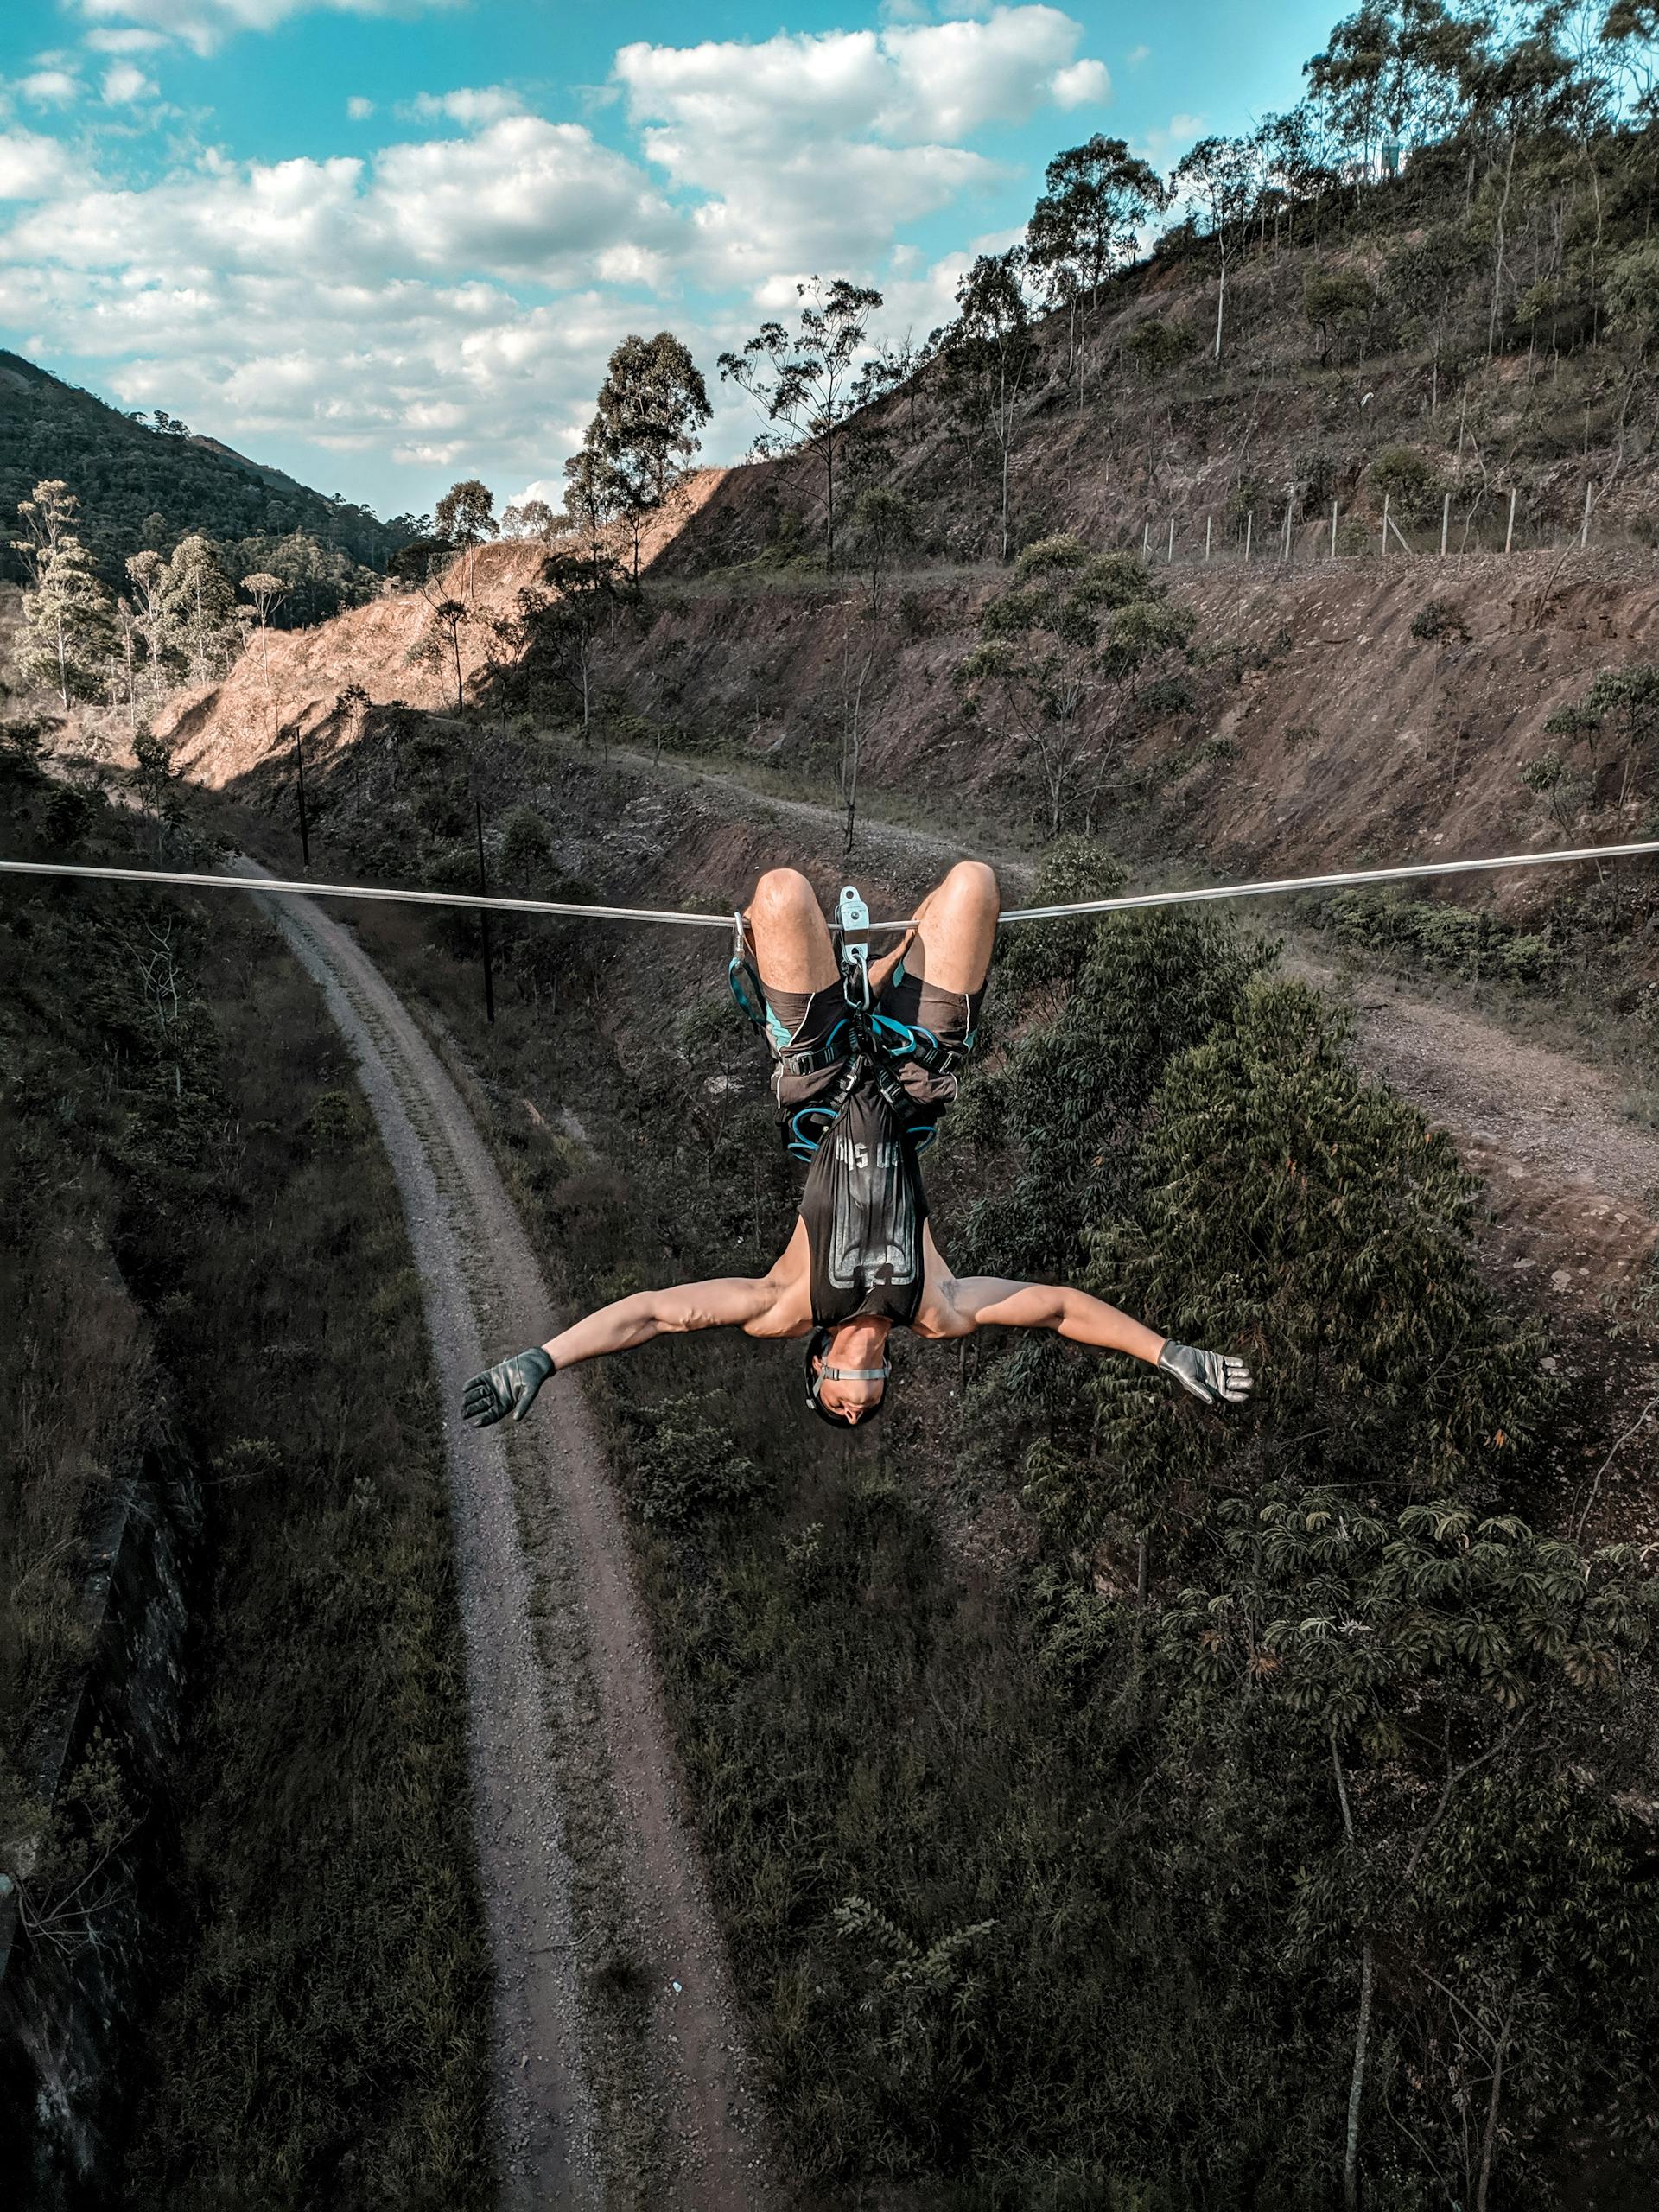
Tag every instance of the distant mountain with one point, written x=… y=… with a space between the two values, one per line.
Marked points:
x=140 y=485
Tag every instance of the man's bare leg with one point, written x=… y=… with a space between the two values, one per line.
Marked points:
x=792 y=948
x=955 y=928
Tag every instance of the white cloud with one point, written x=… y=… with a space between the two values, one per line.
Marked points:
x=123 y=82
x=455 y=297
x=205 y=24
x=32 y=166
x=812 y=148
x=1084 y=83
x=50 y=87
x=468 y=105
x=124 y=42
x=1137 y=55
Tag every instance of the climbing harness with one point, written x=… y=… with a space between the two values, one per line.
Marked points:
x=863 y=1040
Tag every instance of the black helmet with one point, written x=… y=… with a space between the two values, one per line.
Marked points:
x=817 y=1347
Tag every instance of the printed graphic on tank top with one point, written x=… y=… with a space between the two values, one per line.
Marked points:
x=864 y=1206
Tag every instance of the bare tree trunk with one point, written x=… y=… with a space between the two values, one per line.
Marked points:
x=1489 y=2139
x=1221 y=304
x=1357 y=2086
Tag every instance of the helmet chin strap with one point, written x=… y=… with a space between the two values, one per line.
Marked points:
x=827 y=1374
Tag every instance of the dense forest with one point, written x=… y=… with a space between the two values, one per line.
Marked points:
x=145 y=485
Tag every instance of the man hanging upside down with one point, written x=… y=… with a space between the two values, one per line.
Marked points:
x=860 y=1086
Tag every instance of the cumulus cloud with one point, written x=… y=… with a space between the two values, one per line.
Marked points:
x=468 y=105
x=455 y=296
x=205 y=24
x=32 y=166
x=123 y=82
x=50 y=87
x=812 y=148
x=124 y=42
x=1083 y=82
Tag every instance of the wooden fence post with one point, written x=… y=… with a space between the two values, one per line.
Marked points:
x=1387 y=496
x=1170 y=556
x=1509 y=534
x=1207 y=522
x=1249 y=532
x=1333 y=529
x=1445 y=522
x=1290 y=509
x=1584 y=527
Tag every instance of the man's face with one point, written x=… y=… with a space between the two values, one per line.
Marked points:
x=859 y=1344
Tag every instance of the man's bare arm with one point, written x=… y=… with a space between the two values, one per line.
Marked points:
x=994 y=1302
x=991 y=1301
x=728 y=1301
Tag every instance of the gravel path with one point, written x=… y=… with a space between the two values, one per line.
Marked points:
x=620 y=2071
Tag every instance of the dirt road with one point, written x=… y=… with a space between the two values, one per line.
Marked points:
x=620 y=2069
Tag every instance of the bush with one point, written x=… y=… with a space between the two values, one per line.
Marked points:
x=1154 y=345
x=688 y=1463
x=1438 y=618
x=1408 y=481
x=1447 y=937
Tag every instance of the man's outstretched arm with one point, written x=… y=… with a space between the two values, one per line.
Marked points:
x=989 y=1301
x=729 y=1301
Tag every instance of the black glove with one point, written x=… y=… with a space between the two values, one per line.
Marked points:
x=508 y=1387
x=1214 y=1376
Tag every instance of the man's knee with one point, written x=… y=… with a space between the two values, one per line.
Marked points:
x=973 y=882
x=783 y=891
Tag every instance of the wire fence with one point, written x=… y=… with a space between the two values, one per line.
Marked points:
x=1295 y=531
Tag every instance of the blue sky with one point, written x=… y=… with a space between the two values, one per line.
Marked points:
x=384 y=243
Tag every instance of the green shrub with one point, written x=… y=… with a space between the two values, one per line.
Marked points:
x=1438 y=618
x=1408 y=481
x=687 y=1464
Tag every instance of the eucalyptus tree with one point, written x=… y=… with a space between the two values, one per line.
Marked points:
x=465 y=516
x=1222 y=177
x=806 y=379
x=650 y=407
x=1097 y=198
x=989 y=356
x=69 y=618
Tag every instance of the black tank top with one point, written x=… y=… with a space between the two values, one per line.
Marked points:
x=863 y=1206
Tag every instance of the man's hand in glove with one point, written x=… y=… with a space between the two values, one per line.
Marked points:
x=1215 y=1376
x=510 y=1388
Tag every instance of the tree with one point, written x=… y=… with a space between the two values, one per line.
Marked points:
x=988 y=355
x=200 y=606
x=650 y=407
x=593 y=497
x=466 y=514
x=439 y=642
x=1084 y=228
x=555 y=626
x=1222 y=176
x=1334 y=301
x=883 y=525
x=534 y=519
x=67 y=616
x=1071 y=624
x=805 y=380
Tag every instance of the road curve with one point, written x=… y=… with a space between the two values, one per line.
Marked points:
x=578 y=1804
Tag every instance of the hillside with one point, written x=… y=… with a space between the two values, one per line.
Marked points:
x=141 y=487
